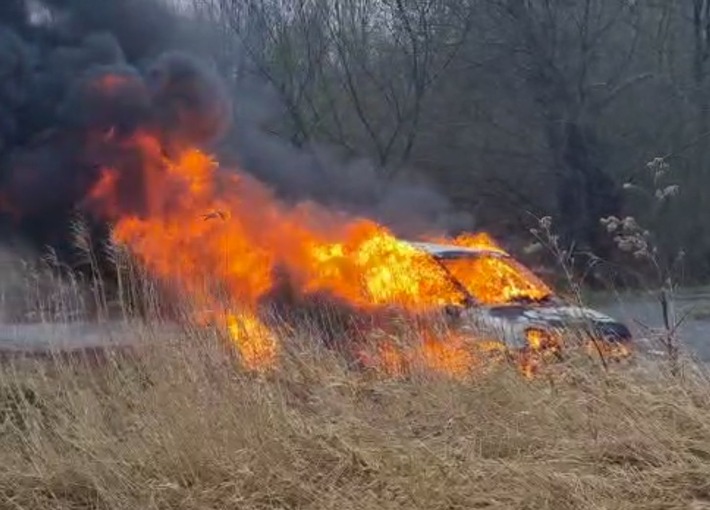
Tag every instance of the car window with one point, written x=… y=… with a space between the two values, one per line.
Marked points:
x=492 y=279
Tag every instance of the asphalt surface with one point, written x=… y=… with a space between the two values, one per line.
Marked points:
x=64 y=336
x=641 y=312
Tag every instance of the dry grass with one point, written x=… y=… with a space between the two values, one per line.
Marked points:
x=178 y=424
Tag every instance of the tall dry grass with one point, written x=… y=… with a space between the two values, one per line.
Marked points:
x=176 y=423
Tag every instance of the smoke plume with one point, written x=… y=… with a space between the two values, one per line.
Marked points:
x=80 y=77
x=77 y=78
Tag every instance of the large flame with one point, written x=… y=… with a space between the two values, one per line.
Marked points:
x=220 y=233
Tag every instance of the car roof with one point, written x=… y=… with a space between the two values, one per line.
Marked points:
x=450 y=251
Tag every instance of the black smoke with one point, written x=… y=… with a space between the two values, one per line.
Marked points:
x=76 y=79
x=79 y=76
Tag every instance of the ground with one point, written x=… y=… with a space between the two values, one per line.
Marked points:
x=176 y=422
x=180 y=425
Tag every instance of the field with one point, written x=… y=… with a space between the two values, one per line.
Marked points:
x=176 y=423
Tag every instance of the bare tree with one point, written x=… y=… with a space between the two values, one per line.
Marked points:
x=556 y=49
x=353 y=72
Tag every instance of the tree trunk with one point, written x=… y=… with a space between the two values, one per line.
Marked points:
x=585 y=193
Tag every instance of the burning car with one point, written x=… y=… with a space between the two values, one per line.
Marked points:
x=220 y=236
x=504 y=300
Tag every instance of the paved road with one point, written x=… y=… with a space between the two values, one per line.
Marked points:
x=692 y=305
x=67 y=336
x=632 y=309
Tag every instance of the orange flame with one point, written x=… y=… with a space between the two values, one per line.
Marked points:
x=444 y=353
x=439 y=355
x=215 y=231
x=479 y=240
x=254 y=341
x=494 y=277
